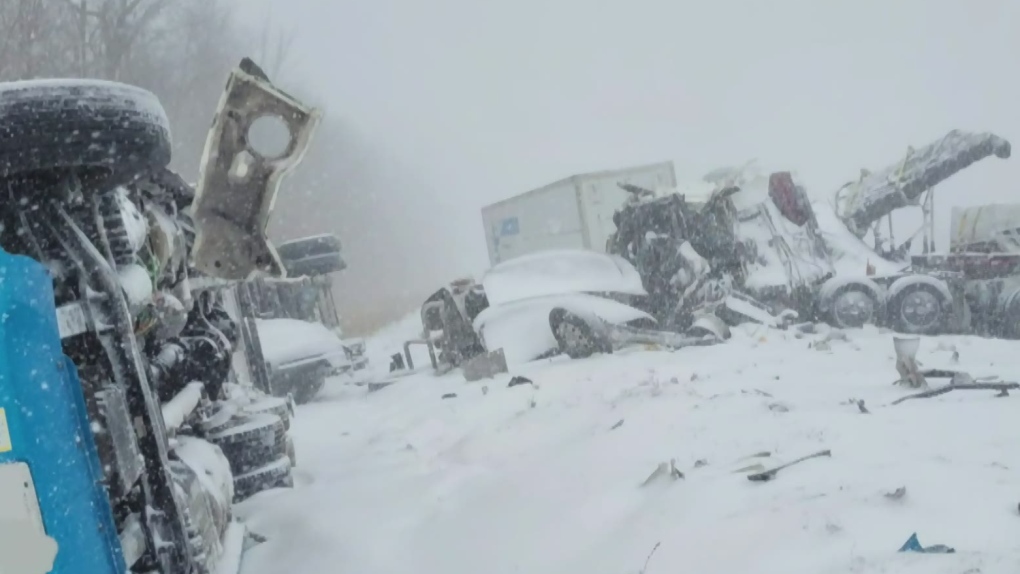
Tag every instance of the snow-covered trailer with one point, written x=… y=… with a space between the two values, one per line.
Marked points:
x=572 y=213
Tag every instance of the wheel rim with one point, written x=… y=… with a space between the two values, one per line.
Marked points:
x=920 y=309
x=571 y=336
x=853 y=309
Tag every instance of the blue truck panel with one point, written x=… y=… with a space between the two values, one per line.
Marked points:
x=47 y=423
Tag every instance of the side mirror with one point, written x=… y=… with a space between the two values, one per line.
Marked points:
x=258 y=135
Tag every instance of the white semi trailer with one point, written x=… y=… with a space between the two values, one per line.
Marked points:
x=572 y=213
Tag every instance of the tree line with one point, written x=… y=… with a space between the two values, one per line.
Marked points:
x=181 y=50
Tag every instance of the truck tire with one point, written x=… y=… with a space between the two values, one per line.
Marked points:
x=919 y=309
x=1007 y=322
x=303 y=390
x=309 y=247
x=852 y=306
x=250 y=441
x=58 y=124
x=274 y=474
x=271 y=405
x=311 y=256
x=575 y=337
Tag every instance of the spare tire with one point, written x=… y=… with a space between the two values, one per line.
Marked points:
x=312 y=246
x=272 y=405
x=311 y=256
x=60 y=124
x=275 y=474
x=250 y=441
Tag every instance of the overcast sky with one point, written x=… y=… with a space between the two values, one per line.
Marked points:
x=482 y=100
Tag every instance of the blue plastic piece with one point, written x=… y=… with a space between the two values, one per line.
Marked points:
x=914 y=545
x=49 y=429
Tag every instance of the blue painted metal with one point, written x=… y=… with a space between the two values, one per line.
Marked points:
x=510 y=226
x=49 y=429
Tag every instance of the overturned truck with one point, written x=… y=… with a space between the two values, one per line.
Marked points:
x=745 y=243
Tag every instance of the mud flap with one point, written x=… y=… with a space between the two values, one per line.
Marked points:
x=239 y=177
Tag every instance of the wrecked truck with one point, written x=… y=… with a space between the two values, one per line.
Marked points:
x=571 y=302
x=122 y=442
x=742 y=233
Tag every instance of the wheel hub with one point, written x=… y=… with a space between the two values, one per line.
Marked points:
x=571 y=335
x=854 y=308
x=920 y=309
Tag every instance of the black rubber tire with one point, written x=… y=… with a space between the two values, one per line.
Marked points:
x=589 y=341
x=274 y=474
x=272 y=405
x=250 y=441
x=59 y=124
x=308 y=247
x=305 y=393
x=314 y=266
x=893 y=311
x=830 y=315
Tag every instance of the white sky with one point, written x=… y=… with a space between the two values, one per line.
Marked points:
x=484 y=100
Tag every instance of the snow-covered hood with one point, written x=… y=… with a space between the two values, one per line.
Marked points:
x=290 y=340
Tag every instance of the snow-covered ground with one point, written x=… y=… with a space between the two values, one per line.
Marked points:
x=548 y=479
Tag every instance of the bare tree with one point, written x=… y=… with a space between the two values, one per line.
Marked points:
x=274 y=46
x=33 y=41
x=109 y=31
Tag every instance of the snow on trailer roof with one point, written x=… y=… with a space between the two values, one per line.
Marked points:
x=577 y=176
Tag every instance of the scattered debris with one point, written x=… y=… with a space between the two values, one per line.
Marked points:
x=644 y=569
x=397 y=362
x=897 y=494
x=862 y=408
x=906 y=362
x=520 y=381
x=914 y=545
x=450 y=396
x=664 y=470
x=700 y=463
x=806 y=328
x=378 y=385
x=835 y=335
x=674 y=471
x=754 y=468
x=618 y=424
x=484 y=366
x=779 y=408
x=1003 y=389
x=758 y=392
x=771 y=474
